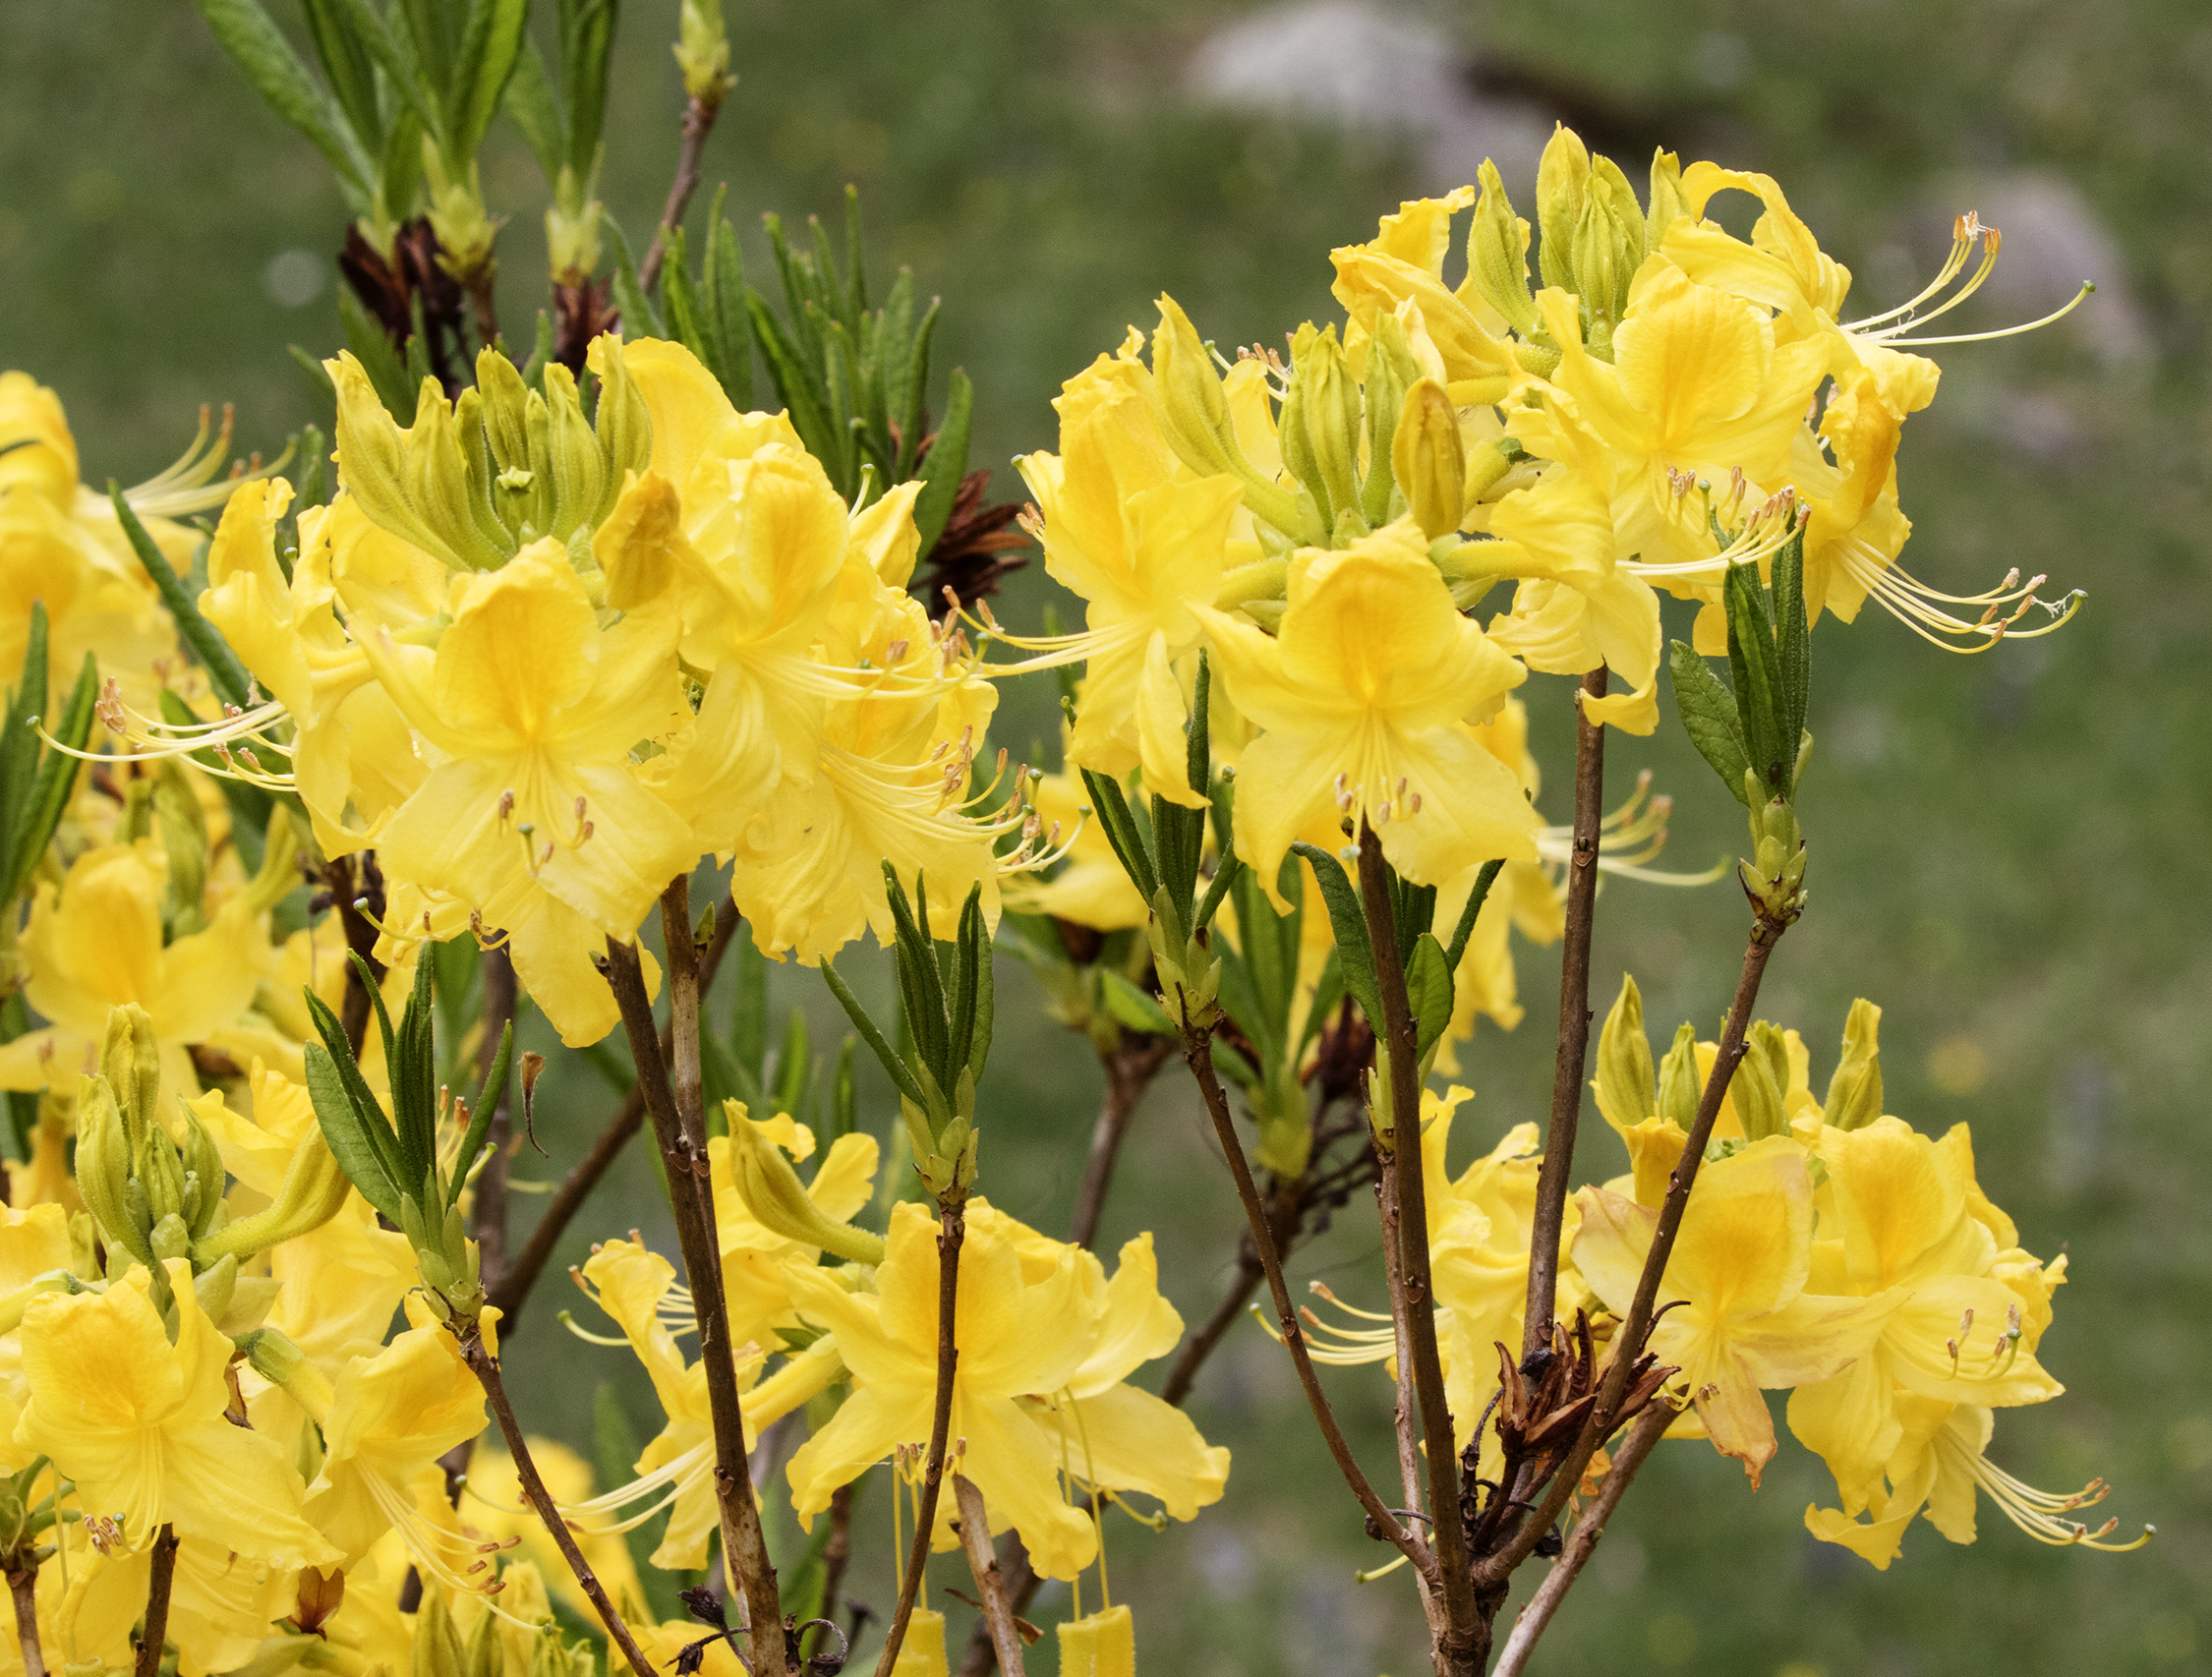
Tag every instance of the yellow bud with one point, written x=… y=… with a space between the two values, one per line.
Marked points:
x=1426 y=455
x=1290 y=430
x=1497 y=254
x=1331 y=406
x=1104 y=1644
x=579 y=473
x=312 y=1192
x=1194 y=411
x=131 y=1065
x=1562 y=178
x=1668 y=205
x=573 y=220
x=437 y=1648
x=457 y=215
x=1854 y=1092
x=413 y=483
x=1756 y=1090
x=1627 y=1091
x=778 y=1201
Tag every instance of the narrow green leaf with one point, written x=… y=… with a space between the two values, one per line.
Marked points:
x=914 y=411
x=1708 y=717
x=1794 y=640
x=1113 y=813
x=19 y=746
x=640 y=320
x=488 y=1097
x=530 y=102
x=1468 y=915
x=57 y=774
x=354 y=1142
x=1753 y=663
x=798 y=385
x=845 y=1094
x=966 y=956
x=795 y=1062
x=920 y=984
x=388 y=372
x=1131 y=1008
x=855 y=274
x=487 y=61
x=259 y=48
x=1216 y=889
x=894 y=1067
x=947 y=463
x=1428 y=992
x=1328 y=991
x=1354 y=952
x=346 y=66
x=587 y=44
x=723 y=303
x=224 y=672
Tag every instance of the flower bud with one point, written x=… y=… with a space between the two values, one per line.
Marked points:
x=103 y=1170
x=204 y=1176
x=1668 y=205
x=437 y=1650
x=279 y=1361
x=130 y=1061
x=162 y=1174
x=1497 y=254
x=1626 y=1088
x=572 y=248
x=1426 y=456
x=1330 y=407
x=1562 y=179
x=1195 y=419
x=1854 y=1092
x=457 y=215
x=1291 y=434
x=779 y=1201
x=702 y=52
x=1756 y=1090
x=1679 y=1085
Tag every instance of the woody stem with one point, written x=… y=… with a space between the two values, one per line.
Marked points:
x=975 y=1538
x=155 y=1632
x=698 y=123
x=951 y=1232
x=486 y=1367
x=1556 y=1170
x=23 y=1585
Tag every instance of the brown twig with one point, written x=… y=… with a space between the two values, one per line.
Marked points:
x=744 y=1547
x=1556 y=1174
x=951 y=1232
x=698 y=123
x=1402 y=1416
x=486 y=1367
x=1414 y=1305
x=154 y=1634
x=1383 y=1523
x=488 y=1214
x=23 y=1585
x=836 y=1553
x=1496 y=1568
x=529 y=1264
x=1130 y=1069
x=975 y=1538
x=1643 y=1434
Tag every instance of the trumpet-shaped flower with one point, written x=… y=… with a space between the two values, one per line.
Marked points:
x=1405 y=263
x=1366 y=699
x=755 y=1259
x=1741 y=1318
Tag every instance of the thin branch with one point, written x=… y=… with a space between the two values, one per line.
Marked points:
x=23 y=1585
x=951 y=1232
x=1414 y=1305
x=836 y=1553
x=1643 y=1434
x=1628 y=1340
x=698 y=123
x=1383 y=1523
x=153 y=1636
x=1402 y=1408
x=478 y=1356
x=975 y=1538
x=1021 y=1583
x=576 y=1186
x=744 y=1547
x=1129 y=1068
x=1556 y=1174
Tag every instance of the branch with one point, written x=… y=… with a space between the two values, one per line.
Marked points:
x=1388 y=1212
x=23 y=1585
x=975 y=1538
x=1556 y=1170
x=836 y=1553
x=1383 y=1523
x=691 y=1198
x=155 y=1634
x=1628 y=1341
x=530 y=1264
x=1644 y=1433
x=1130 y=1069
x=478 y=1356
x=1413 y=1304
x=952 y=1231
x=698 y=123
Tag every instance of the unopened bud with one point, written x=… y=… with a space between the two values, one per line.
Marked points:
x=1679 y=1085
x=1562 y=181
x=778 y=1201
x=457 y=215
x=1667 y=205
x=279 y=1361
x=103 y=1170
x=1497 y=254
x=160 y=1174
x=1426 y=456
x=1755 y=1091
x=130 y=1061
x=1627 y=1089
x=1331 y=407
x=1854 y=1092
x=702 y=52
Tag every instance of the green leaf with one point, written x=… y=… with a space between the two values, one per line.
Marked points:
x=894 y=1066
x=530 y=102
x=224 y=672
x=1131 y=1008
x=798 y=385
x=639 y=317
x=488 y=1097
x=250 y=805
x=967 y=956
x=19 y=746
x=346 y=66
x=1708 y=717
x=256 y=45
x=1468 y=915
x=1428 y=992
x=921 y=987
x=490 y=47
x=57 y=774
x=855 y=274
x=1113 y=813
x=723 y=310
x=388 y=372
x=1796 y=643
x=1753 y=663
x=587 y=42
x=354 y=1141
x=845 y=1093
x=1224 y=876
x=1328 y=991
x=1350 y=924
x=947 y=463
x=794 y=1064
x=914 y=409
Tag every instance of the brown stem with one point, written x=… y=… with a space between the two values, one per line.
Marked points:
x=1384 y=1524
x=576 y=1186
x=1414 y=1305
x=154 y=1635
x=951 y=1232
x=836 y=1553
x=482 y=305
x=488 y=1217
x=478 y=1356
x=698 y=123
x=975 y=1538
x=1643 y=1434
x=1628 y=1340
x=23 y=1585
x=744 y=1546
x=1021 y=1583
x=1556 y=1172
x=1129 y=1069
x=1402 y=1417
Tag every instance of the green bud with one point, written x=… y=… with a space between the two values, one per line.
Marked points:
x=579 y=473
x=1332 y=412
x=702 y=52
x=203 y=1174
x=162 y=1174
x=1625 y=217
x=1562 y=180
x=1755 y=1089
x=1428 y=458
x=1292 y=434
x=438 y=1645
x=1626 y=1088
x=623 y=423
x=572 y=248
x=1193 y=414
x=130 y=1061
x=169 y=1239
x=103 y=1170
x=1391 y=372
x=1775 y=878
x=779 y=1201
x=457 y=215
x=1668 y=205
x=1679 y=1085
x=1854 y=1093
x=1498 y=254
x=214 y=1287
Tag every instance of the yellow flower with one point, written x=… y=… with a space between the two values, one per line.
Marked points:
x=138 y=1423
x=1366 y=699
x=1903 y=1228
x=755 y=1259
x=1404 y=264
x=222 y=1604
x=536 y=819
x=1742 y=1320
x=98 y=942
x=1018 y=1334
x=34 y=1245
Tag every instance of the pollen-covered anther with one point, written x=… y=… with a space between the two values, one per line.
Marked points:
x=506 y=806
x=109 y=706
x=1343 y=791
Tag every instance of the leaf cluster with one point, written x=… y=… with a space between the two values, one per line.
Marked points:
x=1756 y=725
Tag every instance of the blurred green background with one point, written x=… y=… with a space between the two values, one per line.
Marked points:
x=2008 y=850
